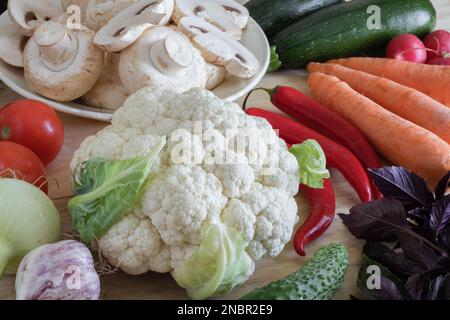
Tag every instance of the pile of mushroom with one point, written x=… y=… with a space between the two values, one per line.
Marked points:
x=104 y=50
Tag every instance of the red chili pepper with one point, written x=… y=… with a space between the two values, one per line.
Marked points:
x=322 y=211
x=337 y=156
x=326 y=122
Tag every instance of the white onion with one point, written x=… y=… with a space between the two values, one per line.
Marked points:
x=28 y=219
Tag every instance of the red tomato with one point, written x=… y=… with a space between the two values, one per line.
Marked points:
x=19 y=162
x=33 y=125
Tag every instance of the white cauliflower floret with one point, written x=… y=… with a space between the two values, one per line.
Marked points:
x=195 y=195
x=236 y=177
x=135 y=246
x=164 y=228
x=276 y=213
x=238 y=215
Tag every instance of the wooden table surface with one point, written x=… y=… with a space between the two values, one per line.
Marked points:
x=161 y=286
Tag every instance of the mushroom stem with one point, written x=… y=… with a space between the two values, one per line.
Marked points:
x=172 y=55
x=56 y=45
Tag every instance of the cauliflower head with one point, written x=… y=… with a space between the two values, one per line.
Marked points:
x=208 y=173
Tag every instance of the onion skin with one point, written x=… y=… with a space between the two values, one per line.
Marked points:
x=60 y=271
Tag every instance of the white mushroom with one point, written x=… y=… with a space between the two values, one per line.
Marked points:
x=27 y=15
x=227 y=15
x=219 y=48
x=62 y=64
x=163 y=57
x=109 y=92
x=216 y=75
x=127 y=26
x=12 y=43
x=99 y=12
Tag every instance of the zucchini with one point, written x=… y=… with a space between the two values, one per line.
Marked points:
x=275 y=15
x=342 y=30
x=319 y=279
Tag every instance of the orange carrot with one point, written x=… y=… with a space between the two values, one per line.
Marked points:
x=408 y=103
x=432 y=80
x=398 y=140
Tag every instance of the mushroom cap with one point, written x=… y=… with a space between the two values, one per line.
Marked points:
x=219 y=48
x=12 y=44
x=163 y=57
x=27 y=15
x=99 y=12
x=213 y=48
x=109 y=92
x=215 y=75
x=227 y=15
x=127 y=26
x=68 y=80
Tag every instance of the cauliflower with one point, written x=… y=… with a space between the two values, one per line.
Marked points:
x=189 y=189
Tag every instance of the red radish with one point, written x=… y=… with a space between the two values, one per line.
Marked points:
x=407 y=47
x=439 y=61
x=438 y=43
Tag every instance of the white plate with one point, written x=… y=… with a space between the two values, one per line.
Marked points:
x=231 y=89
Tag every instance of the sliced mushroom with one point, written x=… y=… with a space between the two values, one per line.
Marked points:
x=99 y=12
x=109 y=92
x=122 y=30
x=12 y=43
x=162 y=57
x=219 y=48
x=227 y=15
x=62 y=18
x=215 y=74
x=27 y=15
x=62 y=64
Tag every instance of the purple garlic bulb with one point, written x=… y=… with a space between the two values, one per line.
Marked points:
x=59 y=271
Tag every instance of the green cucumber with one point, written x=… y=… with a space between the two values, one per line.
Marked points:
x=275 y=15
x=319 y=279
x=342 y=30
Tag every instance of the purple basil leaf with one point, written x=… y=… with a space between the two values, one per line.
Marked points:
x=431 y=285
x=403 y=185
x=377 y=220
x=418 y=256
x=440 y=288
x=391 y=288
x=425 y=232
x=440 y=215
x=419 y=215
x=393 y=260
x=444 y=239
x=417 y=286
x=441 y=267
x=442 y=186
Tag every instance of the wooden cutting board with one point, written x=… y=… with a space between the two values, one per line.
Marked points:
x=162 y=286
